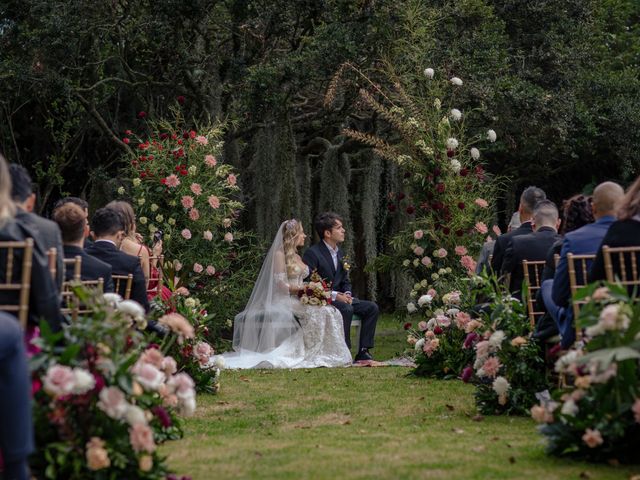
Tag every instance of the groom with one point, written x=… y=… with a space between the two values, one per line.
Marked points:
x=327 y=259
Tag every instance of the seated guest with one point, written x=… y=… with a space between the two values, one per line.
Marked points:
x=624 y=232
x=528 y=200
x=16 y=434
x=556 y=293
x=85 y=207
x=483 y=259
x=47 y=232
x=533 y=246
x=107 y=227
x=72 y=221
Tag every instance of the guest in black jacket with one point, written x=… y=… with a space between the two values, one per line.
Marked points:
x=625 y=232
x=47 y=234
x=107 y=227
x=528 y=200
x=72 y=221
x=532 y=247
x=85 y=208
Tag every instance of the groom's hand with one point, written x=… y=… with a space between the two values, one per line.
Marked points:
x=344 y=298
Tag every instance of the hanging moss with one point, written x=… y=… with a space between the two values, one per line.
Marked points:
x=369 y=213
x=303 y=177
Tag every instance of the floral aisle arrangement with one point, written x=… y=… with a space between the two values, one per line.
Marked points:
x=315 y=292
x=439 y=341
x=445 y=200
x=508 y=369
x=597 y=417
x=103 y=400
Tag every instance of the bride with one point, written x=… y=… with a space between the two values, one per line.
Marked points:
x=276 y=330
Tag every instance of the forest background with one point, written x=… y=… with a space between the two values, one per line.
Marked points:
x=558 y=80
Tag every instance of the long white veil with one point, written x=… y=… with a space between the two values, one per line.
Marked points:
x=266 y=332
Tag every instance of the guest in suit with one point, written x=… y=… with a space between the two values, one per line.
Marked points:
x=73 y=222
x=528 y=200
x=327 y=259
x=533 y=246
x=107 y=227
x=44 y=301
x=624 y=232
x=16 y=434
x=85 y=207
x=48 y=233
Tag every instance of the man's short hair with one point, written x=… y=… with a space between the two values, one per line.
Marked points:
x=325 y=221
x=106 y=222
x=530 y=197
x=21 y=185
x=545 y=213
x=71 y=219
x=607 y=196
x=75 y=200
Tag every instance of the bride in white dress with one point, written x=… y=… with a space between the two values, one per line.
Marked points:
x=276 y=330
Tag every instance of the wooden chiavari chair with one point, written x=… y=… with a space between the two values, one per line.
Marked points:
x=74 y=305
x=122 y=285
x=76 y=263
x=23 y=287
x=621 y=265
x=532 y=277
x=156 y=265
x=52 y=256
x=578 y=268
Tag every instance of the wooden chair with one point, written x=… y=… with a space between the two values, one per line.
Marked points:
x=73 y=306
x=52 y=255
x=356 y=322
x=532 y=275
x=578 y=267
x=626 y=260
x=76 y=262
x=155 y=281
x=21 y=310
x=123 y=280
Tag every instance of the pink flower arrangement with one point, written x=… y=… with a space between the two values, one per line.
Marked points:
x=211 y=270
x=418 y=251
x=231 y=179
x=491 y=367
x=194 y=214
x=461 y=250
x=418 y=234
x=207 y=235
x=441 y=253
x=202 y=140
x=214 y=202
x=187 y=201
x=210 y=161
x=426 y=261
x=481 y=228
x=430 y=346
x=196 y=189
x=228 y=237
x=481 y=203
x=172 y=181
x=141 y=438
x=197 y=268
x=186 y=234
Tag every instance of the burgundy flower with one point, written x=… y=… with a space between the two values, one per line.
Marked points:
x=450 y=153
x=401 y=196
x=461 y=205
x=436 y=172
x=99 y=382
x=142 y=114
x=459 y=232
x=440 y=188
x=464 y=172
x=128 y=132
x=424 y=206
x=36 y=385
x=162 y=415
x=126 y=141
x=180 y=142
x=437 y=330
x=164 y=136
x=446 y=230
x=185 y=134
x=469 y=341
x=437 y=205
x=411 y=209
x=407 y=325
x=181 y=99
x=192 y=134
x=391 y=207
x=466 y=374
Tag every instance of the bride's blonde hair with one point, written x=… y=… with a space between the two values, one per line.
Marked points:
x=292 y=229
x=7 y=207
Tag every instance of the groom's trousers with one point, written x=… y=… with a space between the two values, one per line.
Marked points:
x=368 y=313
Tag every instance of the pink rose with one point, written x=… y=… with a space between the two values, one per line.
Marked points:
x=461 y=250
x=187 y=201
x=202 y=140
x=202 y=352
x=211 y=270
x=541 y=415
x=207 y=235
x=172 y=181
x=197 y=268
x=418 y=234
x=214 y=201
x=183 y=291
x=592 y=438
x=462 y=319
x=210 y=160
x=169 y=366
x=194 y=214
x=441 y=253
x=481 y=203
x=152 y=356
x=186 y=234
x=147 y=375
x=196 y=189
x=422 y=326
x=481 y=228
x=231 y=179
x=113 y=402
x=469 y=263
x=59 y=380
x=418 y=251
x=182 y=384
x=426 y=261
x=96 y=455
x=141 y=438
x=432 y=293
x=228 y=237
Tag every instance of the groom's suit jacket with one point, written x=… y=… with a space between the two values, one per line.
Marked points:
x=318 y=258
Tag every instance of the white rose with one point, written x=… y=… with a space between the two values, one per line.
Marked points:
x=218 y=361
x=112 y=299
x=455 y=166
x=83 y=381
x=192 y=170
x=416 y=262
x=419 y=344
x=425 y=300
x=496 y=339
x=456 y=81
x=154 y=207
x=113 y=402
x=411 y=307
x=437 y=103
x=452 y=143
x=455 y=114
x=569 y=408
x=171 y=221
x=429 y=72
x=406 y=263
x=424 y=283
x=190 y=303
x=121 y=190
x=136 y=182
x=131 y=308
x=501 y=385
x=413 y=293
x=188 y=406
x=491 y=136
x=475 y=153
x=135 y=415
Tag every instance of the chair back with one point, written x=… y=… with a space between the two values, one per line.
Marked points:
x=21 y=285
x=72 y=305
x=578 y=267
x=156 y=265
x=74 y=263
x=122 y=285
x=52 y=256
x=532 y=278
x=621 y=265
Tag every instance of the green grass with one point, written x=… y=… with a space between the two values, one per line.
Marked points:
x=359 y=423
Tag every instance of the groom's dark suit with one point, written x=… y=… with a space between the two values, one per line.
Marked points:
x=318 y=258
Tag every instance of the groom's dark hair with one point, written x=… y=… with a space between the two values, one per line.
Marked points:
x=325 y=221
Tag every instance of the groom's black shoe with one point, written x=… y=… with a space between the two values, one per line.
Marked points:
x=363 y=354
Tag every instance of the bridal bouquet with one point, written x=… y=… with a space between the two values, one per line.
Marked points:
x=316 y=292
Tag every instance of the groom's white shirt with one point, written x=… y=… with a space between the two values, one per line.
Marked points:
x=334 y=257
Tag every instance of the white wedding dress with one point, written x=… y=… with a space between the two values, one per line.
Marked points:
x=277 y=331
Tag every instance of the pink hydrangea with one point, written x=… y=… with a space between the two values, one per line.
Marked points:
x=194 y=214
x=496 y=230
x=481 y=228
x=418 y=251
x=196 y=188
x=211 y=270
x=186 y=234
x=202 y=140
x=197 y=268
x=228 y=237
x=461 y=250
x=172 y=181
x=441 y=253
x=187 y=201
x=141 y=438
x=418 y=234
x=231 y=179
x=207 y=235
x=426 y=261
x=481 y=203
x=491 y=367
x=214 y=201
x=210 y=161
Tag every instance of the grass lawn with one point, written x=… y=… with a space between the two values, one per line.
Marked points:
x=360 y=423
